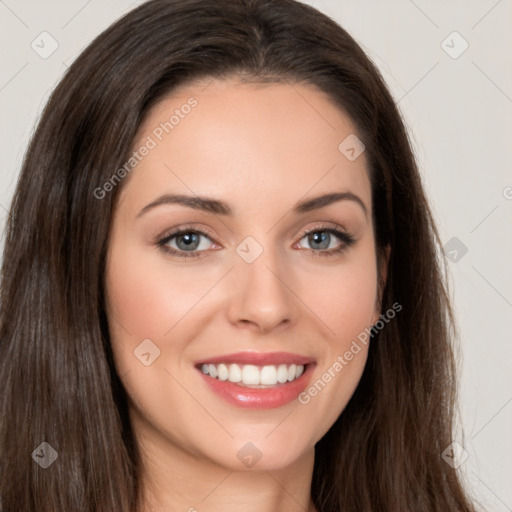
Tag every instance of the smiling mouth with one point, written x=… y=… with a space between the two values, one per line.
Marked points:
x=254 y=376
x=257 y=380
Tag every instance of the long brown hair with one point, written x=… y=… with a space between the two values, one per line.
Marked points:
x=58 y=381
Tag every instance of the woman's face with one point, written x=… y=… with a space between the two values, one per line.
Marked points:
x=274 y=273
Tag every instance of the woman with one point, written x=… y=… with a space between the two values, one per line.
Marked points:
x=220 y=286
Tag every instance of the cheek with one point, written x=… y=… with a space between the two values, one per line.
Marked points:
x=345 y=301
x=146 y=300
x=147 y=296
x=344 y=297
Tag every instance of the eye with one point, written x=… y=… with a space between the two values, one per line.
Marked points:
x=186 y=243
x=326 y=241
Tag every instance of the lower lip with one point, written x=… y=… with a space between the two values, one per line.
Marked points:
x=259 y=398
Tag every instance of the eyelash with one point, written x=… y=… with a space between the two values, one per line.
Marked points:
x=346 y=239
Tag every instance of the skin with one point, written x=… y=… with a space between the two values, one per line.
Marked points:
x=260 y=149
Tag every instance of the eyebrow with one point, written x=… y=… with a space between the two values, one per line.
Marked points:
x=220 y=208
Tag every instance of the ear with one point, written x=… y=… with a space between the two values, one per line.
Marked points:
x=383 y=255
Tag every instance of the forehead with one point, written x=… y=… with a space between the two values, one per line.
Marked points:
x=251 y=142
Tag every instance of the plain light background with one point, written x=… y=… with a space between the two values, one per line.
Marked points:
x=457 y=104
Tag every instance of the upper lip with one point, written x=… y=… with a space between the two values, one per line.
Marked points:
x=258 y=358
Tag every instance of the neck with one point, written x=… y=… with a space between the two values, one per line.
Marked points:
x=174 y=479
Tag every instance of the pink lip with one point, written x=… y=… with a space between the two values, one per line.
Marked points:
x=258 y=358
x=259 y=398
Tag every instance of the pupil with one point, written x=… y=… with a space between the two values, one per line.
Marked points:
x=190 y=241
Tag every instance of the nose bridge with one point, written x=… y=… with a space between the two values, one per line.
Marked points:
x=261 y=292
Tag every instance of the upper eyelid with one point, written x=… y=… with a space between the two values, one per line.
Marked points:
x=169 y=234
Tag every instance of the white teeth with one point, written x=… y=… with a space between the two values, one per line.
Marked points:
x=282 y=373
x=251 y=375
x=268 y=375
x=235 y=374
x=223 y=372
x=212 y=370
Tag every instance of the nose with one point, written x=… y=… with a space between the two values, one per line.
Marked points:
x=263 y=298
